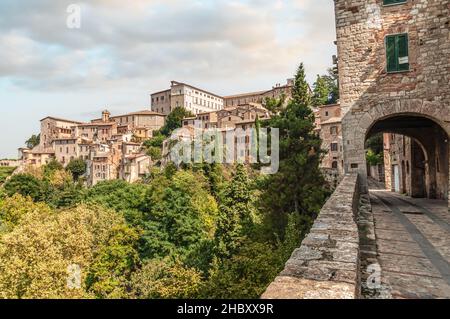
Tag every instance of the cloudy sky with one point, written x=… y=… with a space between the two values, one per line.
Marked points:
x=124 y=50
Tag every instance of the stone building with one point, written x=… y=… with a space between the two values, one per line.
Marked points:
x=35 y=157
x=9 y=163
x=394 y=63
x=406 y=166
x=66 y=149
x=277 y=91
x=180 y=94
x=328 y=124
x=54 y=128
x=237 y=120
x=135 y=167
x=105 y=144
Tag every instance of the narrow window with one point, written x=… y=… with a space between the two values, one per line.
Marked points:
x=334 y=147
x=397 y=56
x=390 y=2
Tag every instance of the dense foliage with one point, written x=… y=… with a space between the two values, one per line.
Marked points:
x=77 y=167
x=33 y=141
x=325 y=89
x=298 y=187
x=174 y=119
x=5 y=172
x=374 y=145
x=202 y=231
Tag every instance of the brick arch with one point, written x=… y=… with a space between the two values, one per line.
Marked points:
x=433 y=111
x=430 y=110
x=358 y=122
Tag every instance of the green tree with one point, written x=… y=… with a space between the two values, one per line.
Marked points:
x=125 y=198
x=25 y=185
x=274 y=105
x=165 y=279
x=51 y=167
x=13 y=209
x=156 y=141
x=174 y=120
x=116 y=259
x=33 y=141
x=180 y=214
x=235 y=213
x=299 y=185
x=154 y=152
x=36 y=255
x=375 y=143
x=5 y=172
x=332 y=79
x=77 y=167
x=244 y=275
x=373 y=159
x=321 y=92
x=300 y=91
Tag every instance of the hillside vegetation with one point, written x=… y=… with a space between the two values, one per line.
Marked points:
x=198 y=231
x=5 y=172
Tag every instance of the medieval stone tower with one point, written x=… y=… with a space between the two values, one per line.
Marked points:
x=394 y=68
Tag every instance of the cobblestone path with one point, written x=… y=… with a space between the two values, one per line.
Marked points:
x=413 y=244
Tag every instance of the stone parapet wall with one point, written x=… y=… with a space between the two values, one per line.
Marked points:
x=326 y=266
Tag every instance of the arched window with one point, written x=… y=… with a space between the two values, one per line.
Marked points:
x=334 y=165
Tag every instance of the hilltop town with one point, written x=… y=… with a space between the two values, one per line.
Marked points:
x=112 y=145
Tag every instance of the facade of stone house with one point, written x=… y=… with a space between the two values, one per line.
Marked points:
x=406 y=166
x=99 y=142
x=239 y=120
x=394 y=62
x=277 y=91
x=193 y=99
x=35 y=157
x=135 y=167
x=66 y=149
x=329 y=122
x=53 y=128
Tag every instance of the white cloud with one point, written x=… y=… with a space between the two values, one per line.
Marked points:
x=122 y=41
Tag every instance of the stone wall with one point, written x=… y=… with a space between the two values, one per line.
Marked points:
x=368 y=93
x=326 y=266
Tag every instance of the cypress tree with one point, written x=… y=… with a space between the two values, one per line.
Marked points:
x=298 y=187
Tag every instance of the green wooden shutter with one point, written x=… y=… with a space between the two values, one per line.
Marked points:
x=387 y=2
x=403 y=59
x=397 y=55
x=391 y=58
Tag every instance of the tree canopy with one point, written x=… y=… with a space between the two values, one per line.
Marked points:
x=33 y=141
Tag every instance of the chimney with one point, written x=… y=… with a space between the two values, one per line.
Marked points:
x=105 y=116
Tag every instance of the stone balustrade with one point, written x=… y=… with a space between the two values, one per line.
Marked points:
x=326 y=266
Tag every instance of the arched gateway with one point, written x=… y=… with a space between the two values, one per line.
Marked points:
x=428 y=127
x=394 y=74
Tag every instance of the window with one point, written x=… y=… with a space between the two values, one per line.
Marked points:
x=334 y=147
x=334 y=165
x=333 y=130
x=390 y=2
x=397 y=56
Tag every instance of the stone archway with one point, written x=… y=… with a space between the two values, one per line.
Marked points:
x=358 y=123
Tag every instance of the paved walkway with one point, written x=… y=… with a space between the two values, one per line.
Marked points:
x=413 y=244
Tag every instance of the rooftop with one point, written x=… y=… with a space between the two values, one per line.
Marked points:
x=60 y=119
x=195 y=88
x=332 y=120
